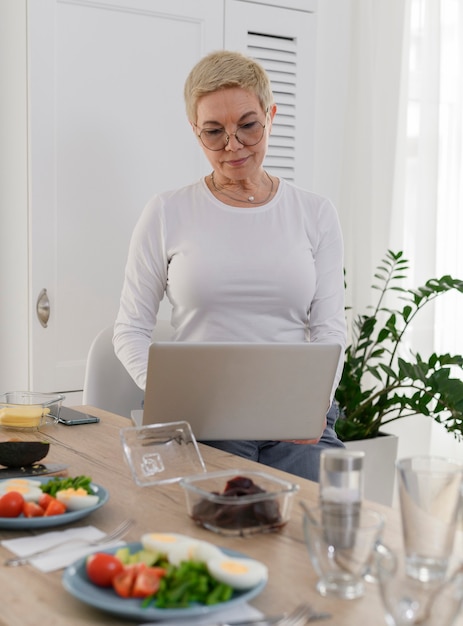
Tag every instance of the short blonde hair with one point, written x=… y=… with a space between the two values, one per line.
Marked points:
x=221 y=70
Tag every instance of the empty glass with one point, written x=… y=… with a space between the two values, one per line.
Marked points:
x=409 y=601
x=430 y=503
x=341 y=558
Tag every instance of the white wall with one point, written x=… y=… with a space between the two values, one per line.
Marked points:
x=333 y=52
x=14 y=339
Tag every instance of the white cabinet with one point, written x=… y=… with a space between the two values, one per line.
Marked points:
x=284 y=42
x=101 y=96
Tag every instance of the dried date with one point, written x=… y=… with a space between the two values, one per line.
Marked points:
x=235 y=516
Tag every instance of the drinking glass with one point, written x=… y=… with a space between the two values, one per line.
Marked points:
x=341 y=556
x=430 y=502
x=408 y=601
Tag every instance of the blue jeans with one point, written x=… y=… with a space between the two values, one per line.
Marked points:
x=296 y=458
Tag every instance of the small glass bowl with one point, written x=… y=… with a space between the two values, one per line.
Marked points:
x=256 y=502
x=29 y=410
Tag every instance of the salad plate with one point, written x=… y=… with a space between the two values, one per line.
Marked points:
x=76 y=582
x=21 y=522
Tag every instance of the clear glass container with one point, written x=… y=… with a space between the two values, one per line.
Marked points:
x=239 y=502
x=341 y=475
x=161 y=453
x=341 y=493
x=29 y=410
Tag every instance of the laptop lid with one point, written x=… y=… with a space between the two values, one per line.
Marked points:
x=241 y=390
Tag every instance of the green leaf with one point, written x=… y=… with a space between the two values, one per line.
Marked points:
x=377 y=385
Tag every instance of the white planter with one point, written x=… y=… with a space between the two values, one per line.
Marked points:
x=380 y=458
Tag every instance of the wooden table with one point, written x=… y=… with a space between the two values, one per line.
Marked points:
x=29 y=596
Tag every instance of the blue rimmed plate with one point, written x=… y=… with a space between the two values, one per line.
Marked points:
x=76 y=582
x=21 y=522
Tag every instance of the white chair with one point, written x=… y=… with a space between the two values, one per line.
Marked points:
x=107 y=384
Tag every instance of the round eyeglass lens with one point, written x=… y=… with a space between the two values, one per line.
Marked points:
x=217 y=139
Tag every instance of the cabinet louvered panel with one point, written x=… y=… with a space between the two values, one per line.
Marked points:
x=286 y=49
x=278 y=55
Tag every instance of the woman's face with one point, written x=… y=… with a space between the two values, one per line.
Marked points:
x=229 y=109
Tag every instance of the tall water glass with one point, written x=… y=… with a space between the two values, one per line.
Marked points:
x=341 y=493
x=430 y=502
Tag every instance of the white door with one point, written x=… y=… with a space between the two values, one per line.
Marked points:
x=283 y=40
x=107 y=131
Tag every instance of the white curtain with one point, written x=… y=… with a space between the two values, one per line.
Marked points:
x=373 y=119
x=429 y=165
x=449 y=173
x=403 y=165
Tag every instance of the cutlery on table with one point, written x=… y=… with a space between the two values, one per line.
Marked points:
x=302 y=614
x=114 y=535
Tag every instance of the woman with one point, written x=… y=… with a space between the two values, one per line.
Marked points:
x=241 y=255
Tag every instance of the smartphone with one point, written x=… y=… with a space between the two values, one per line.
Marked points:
x=70 y=417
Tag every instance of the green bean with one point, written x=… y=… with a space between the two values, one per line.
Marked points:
x=221 y=593
x=59 y=484
x=189 y=582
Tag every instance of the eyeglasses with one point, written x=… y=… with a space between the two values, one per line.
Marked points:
x=247 y=135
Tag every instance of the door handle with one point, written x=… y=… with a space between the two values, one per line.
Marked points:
x=43 y=308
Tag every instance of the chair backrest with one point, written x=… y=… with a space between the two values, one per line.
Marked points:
x=107 y=384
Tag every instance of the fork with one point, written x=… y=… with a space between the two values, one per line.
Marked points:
x=302 y=614
x=117 y=533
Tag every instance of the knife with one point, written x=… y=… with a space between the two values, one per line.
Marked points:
x=38 y=469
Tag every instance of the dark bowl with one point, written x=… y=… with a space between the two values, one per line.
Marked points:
x=22 y=453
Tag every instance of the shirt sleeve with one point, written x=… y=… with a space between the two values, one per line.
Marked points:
x=327 y=320
x=143 y=289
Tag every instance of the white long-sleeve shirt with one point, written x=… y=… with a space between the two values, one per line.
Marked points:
x=257 y=274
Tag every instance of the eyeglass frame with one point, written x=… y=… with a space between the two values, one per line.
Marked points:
x=228 y=135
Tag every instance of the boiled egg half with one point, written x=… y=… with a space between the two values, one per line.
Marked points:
x=239 y=573
x=193 y=550
x=178 y=548
x=76 y=499
x=163 y=543
x=29 y=489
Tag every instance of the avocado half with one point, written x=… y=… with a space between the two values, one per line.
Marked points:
x=22 y=453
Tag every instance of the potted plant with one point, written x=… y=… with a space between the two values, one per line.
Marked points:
x=383 y=381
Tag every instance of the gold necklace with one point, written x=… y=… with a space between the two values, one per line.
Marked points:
x=249 y=199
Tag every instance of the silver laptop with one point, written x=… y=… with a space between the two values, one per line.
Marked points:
x=241 y=390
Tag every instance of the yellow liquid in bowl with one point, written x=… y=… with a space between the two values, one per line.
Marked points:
x=22 y=416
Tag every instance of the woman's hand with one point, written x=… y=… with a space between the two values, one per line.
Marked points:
x=301 y=440
x=305 y=441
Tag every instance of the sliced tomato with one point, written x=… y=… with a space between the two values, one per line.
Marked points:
x=124 y=581
x=32 y=509
x=11 y=504
x=147 y=582
x=45 y=500
x=101 y=568
x=55 y=507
